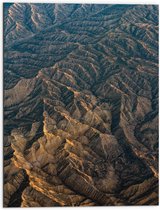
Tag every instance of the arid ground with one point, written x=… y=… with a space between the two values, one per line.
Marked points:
x=80 y=105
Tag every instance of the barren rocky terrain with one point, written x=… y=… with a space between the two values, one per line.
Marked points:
x=80 y=105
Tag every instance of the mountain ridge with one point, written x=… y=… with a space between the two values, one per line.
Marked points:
x=80 y=105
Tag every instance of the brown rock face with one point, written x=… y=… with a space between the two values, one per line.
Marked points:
x=80 y=105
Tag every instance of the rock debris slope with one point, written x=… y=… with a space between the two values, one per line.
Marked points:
x=80 y=105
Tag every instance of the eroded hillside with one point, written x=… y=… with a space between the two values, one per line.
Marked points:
x=80 y=105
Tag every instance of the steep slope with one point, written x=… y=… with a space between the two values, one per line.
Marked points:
x=80 y=105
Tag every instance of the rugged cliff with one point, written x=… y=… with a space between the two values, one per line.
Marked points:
x=80 y=105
